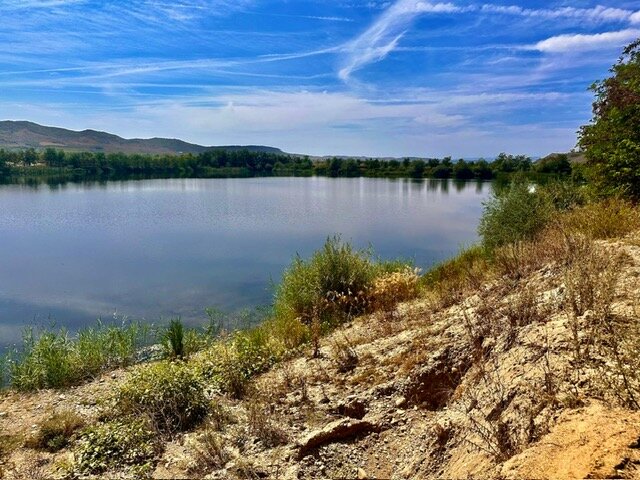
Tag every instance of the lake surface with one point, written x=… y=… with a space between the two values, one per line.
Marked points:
x=156 y=249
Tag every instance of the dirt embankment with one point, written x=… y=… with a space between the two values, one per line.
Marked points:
x=530 y=377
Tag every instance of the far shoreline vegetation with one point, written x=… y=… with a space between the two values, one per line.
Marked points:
x=59 y=166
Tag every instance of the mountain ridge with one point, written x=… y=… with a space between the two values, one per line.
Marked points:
x=26 y=134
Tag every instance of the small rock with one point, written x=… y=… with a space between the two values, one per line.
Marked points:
x=3 y=414
x=401 y=402
x=354 y=407
x=362 y=474
x=335 y=431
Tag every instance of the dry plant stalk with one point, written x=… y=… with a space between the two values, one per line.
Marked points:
x=344 y=355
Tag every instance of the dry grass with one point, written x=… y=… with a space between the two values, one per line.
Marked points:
x=56 y=431
x=447 y=282
x=219 y=417
x=489 y=431
x=261 y=424
x=591 y=281
x=522 y=309
x=612 y=218
x=210 y=452
x=33 y=467
x=8 y=443
x=392 y=288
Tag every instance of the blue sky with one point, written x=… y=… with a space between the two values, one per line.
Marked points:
x=385 y=78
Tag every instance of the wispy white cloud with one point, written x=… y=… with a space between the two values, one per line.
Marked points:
x=584 y=42
x=384 y=35
x=595 y=14
x=26 y=4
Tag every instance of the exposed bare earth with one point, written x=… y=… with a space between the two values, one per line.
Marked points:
x=506 y=383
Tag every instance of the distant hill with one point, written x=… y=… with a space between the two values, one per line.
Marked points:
x=573 y=157
x=18 y=135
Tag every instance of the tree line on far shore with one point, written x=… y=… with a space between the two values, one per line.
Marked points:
x=244 y=163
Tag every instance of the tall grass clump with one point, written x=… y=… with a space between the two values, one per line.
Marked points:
x=179 y=342
x=54 y=359
x=45 y=361
x=173 y=339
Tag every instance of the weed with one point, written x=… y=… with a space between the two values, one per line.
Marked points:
x=210 y=452
x=590 y=281
x=56 y=432
x=219 y=417
x=492 y=432
x=522 y=309
x=122 y=442
x=173 y=339
x=392 y=288
x=53 y=359
x=170 y=394
x=618 y=341
x=344 y=355
x=261 y=425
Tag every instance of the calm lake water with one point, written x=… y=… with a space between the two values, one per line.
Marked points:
x=155 y=249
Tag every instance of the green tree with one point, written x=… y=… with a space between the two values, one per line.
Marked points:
x=4 y=166
x=611 y=140
x=462 y=170
x=30 y=157
x=417 y=169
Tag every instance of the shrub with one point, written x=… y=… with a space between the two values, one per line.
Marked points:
x=56 y=432
x=231 y=363
x=123 y=442
x=334 y=280
x=170 y=394
x=253 y=350
x=513 y=215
